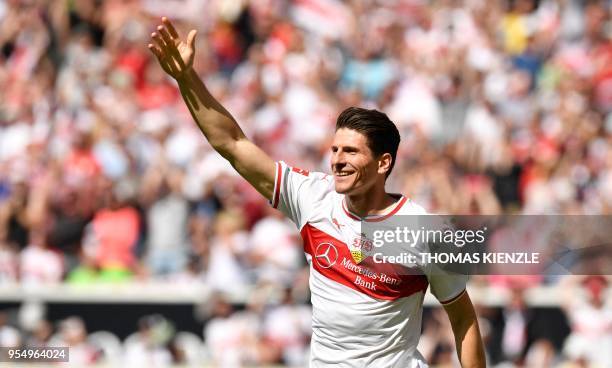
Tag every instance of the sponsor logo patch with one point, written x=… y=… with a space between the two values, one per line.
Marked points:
x=326 y=255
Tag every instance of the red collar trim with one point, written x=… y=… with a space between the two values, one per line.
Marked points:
x=374 y=218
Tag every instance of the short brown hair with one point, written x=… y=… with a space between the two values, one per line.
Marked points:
x=381 y=133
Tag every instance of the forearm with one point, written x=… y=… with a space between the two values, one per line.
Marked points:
x=470 y=349
x=462 y=316
x=215 y=122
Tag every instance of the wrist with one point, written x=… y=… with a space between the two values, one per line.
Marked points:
x=185 y=76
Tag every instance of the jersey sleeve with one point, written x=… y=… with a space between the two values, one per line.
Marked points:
x=447 y=287
x=297 y=192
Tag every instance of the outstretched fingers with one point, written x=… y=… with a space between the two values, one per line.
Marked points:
x=158 y=41
x=171 y=48
x=166 y=36
x=171 y=58
x=161 y=51
x=170 y=27
x=156 y=51
x=173 y=55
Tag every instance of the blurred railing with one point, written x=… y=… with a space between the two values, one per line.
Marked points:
x=172 y=293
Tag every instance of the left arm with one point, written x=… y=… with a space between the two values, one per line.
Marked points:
x=463 y=319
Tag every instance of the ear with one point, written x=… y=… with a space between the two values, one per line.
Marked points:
x=384 y=163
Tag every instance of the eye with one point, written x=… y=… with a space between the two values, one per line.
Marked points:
x=334 y=149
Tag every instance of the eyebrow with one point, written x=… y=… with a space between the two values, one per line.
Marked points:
x=346 y=148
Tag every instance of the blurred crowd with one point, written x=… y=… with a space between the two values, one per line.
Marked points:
x=253 y=336
x=273 y=329
x=503 y=106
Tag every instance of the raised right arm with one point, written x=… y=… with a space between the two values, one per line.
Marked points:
x=225 y=135
x=215 y=122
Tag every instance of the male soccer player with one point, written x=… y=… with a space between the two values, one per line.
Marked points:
x=363 y=314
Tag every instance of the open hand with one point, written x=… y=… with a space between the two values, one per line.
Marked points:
x=174 y=56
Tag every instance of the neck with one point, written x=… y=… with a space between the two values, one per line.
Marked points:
x=374 y=202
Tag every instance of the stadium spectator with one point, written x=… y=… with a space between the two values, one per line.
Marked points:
x=227 y=260
x=149 y=346
x=72 y=333
x=167 y=216
x=39 y=264
x=590 y=318
x=9 y=335
x=287 y=327
x=113 y=232
x=274 y=249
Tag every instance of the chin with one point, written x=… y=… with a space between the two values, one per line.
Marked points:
x=343 y=188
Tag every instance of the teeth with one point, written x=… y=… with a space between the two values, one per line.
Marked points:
x=343 y=174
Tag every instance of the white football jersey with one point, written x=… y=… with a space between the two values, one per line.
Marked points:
x=365 y=314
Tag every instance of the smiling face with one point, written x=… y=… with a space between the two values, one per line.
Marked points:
x=353 y=164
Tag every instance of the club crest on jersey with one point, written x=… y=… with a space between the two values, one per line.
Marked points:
x=361 y=248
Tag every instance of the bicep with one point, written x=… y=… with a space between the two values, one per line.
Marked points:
x=460 y=311
x=253 y=164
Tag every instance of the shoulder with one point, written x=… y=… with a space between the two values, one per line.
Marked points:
x=304 y=173
x=412 y=208
x=303 y=176
x=294 y=183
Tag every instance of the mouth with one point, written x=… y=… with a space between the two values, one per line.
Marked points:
x=342 y=174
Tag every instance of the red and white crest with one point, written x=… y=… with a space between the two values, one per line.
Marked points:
x=360 y=247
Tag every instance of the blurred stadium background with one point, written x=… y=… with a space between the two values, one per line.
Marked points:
x=124 y=236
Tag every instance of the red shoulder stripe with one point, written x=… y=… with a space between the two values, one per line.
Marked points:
x=277 y=186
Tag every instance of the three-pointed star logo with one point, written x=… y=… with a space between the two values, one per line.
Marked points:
x=326 y=255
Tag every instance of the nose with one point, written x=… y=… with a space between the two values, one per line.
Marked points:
x=337 y=160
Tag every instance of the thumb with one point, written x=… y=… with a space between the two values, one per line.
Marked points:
x=191 y=38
